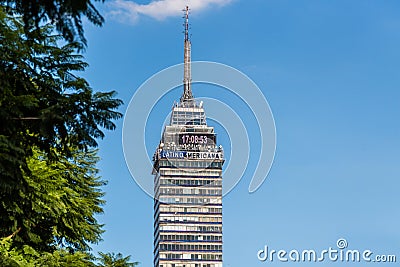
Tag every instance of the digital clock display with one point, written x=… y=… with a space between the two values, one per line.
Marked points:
x=197 y=139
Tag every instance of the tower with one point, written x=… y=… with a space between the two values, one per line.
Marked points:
x=188 y=184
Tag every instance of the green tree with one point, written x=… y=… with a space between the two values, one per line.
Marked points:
x=45 y=106
x=63 y=197
x=50 y=120
x=115 y=260
x=58 y=207
x=26 y=256
x=66 y=15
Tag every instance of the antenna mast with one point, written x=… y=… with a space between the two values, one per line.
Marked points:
x=187 y=79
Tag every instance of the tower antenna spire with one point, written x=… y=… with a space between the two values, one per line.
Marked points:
x=187 y=79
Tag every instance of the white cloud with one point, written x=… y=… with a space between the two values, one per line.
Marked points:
x=129 y=11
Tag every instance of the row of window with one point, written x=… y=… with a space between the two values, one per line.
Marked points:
x=181 y=109
x=197 y=114
x=188 y=118
x=188 y=228
x=190 y=191
x=184 y=121
x=192 y=256
x=191 y=265
x=190 y=209
x=187 y=182
x=181 y=247
x=192 y=111
x=181 y=172
x=190 y=219
x=191 y=237
x=190 y=200
x=190 y=164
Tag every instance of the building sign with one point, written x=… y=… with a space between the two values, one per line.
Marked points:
x=204 y=155
x=190 y=155
x=173 y=154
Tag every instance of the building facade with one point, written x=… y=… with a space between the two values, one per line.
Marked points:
x=188 y=185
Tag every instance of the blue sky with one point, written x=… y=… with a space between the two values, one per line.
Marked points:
x=330 y=72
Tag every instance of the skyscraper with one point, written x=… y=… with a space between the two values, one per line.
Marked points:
x=188 y=184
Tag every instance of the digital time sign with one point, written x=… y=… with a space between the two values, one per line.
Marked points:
x=197 y=139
